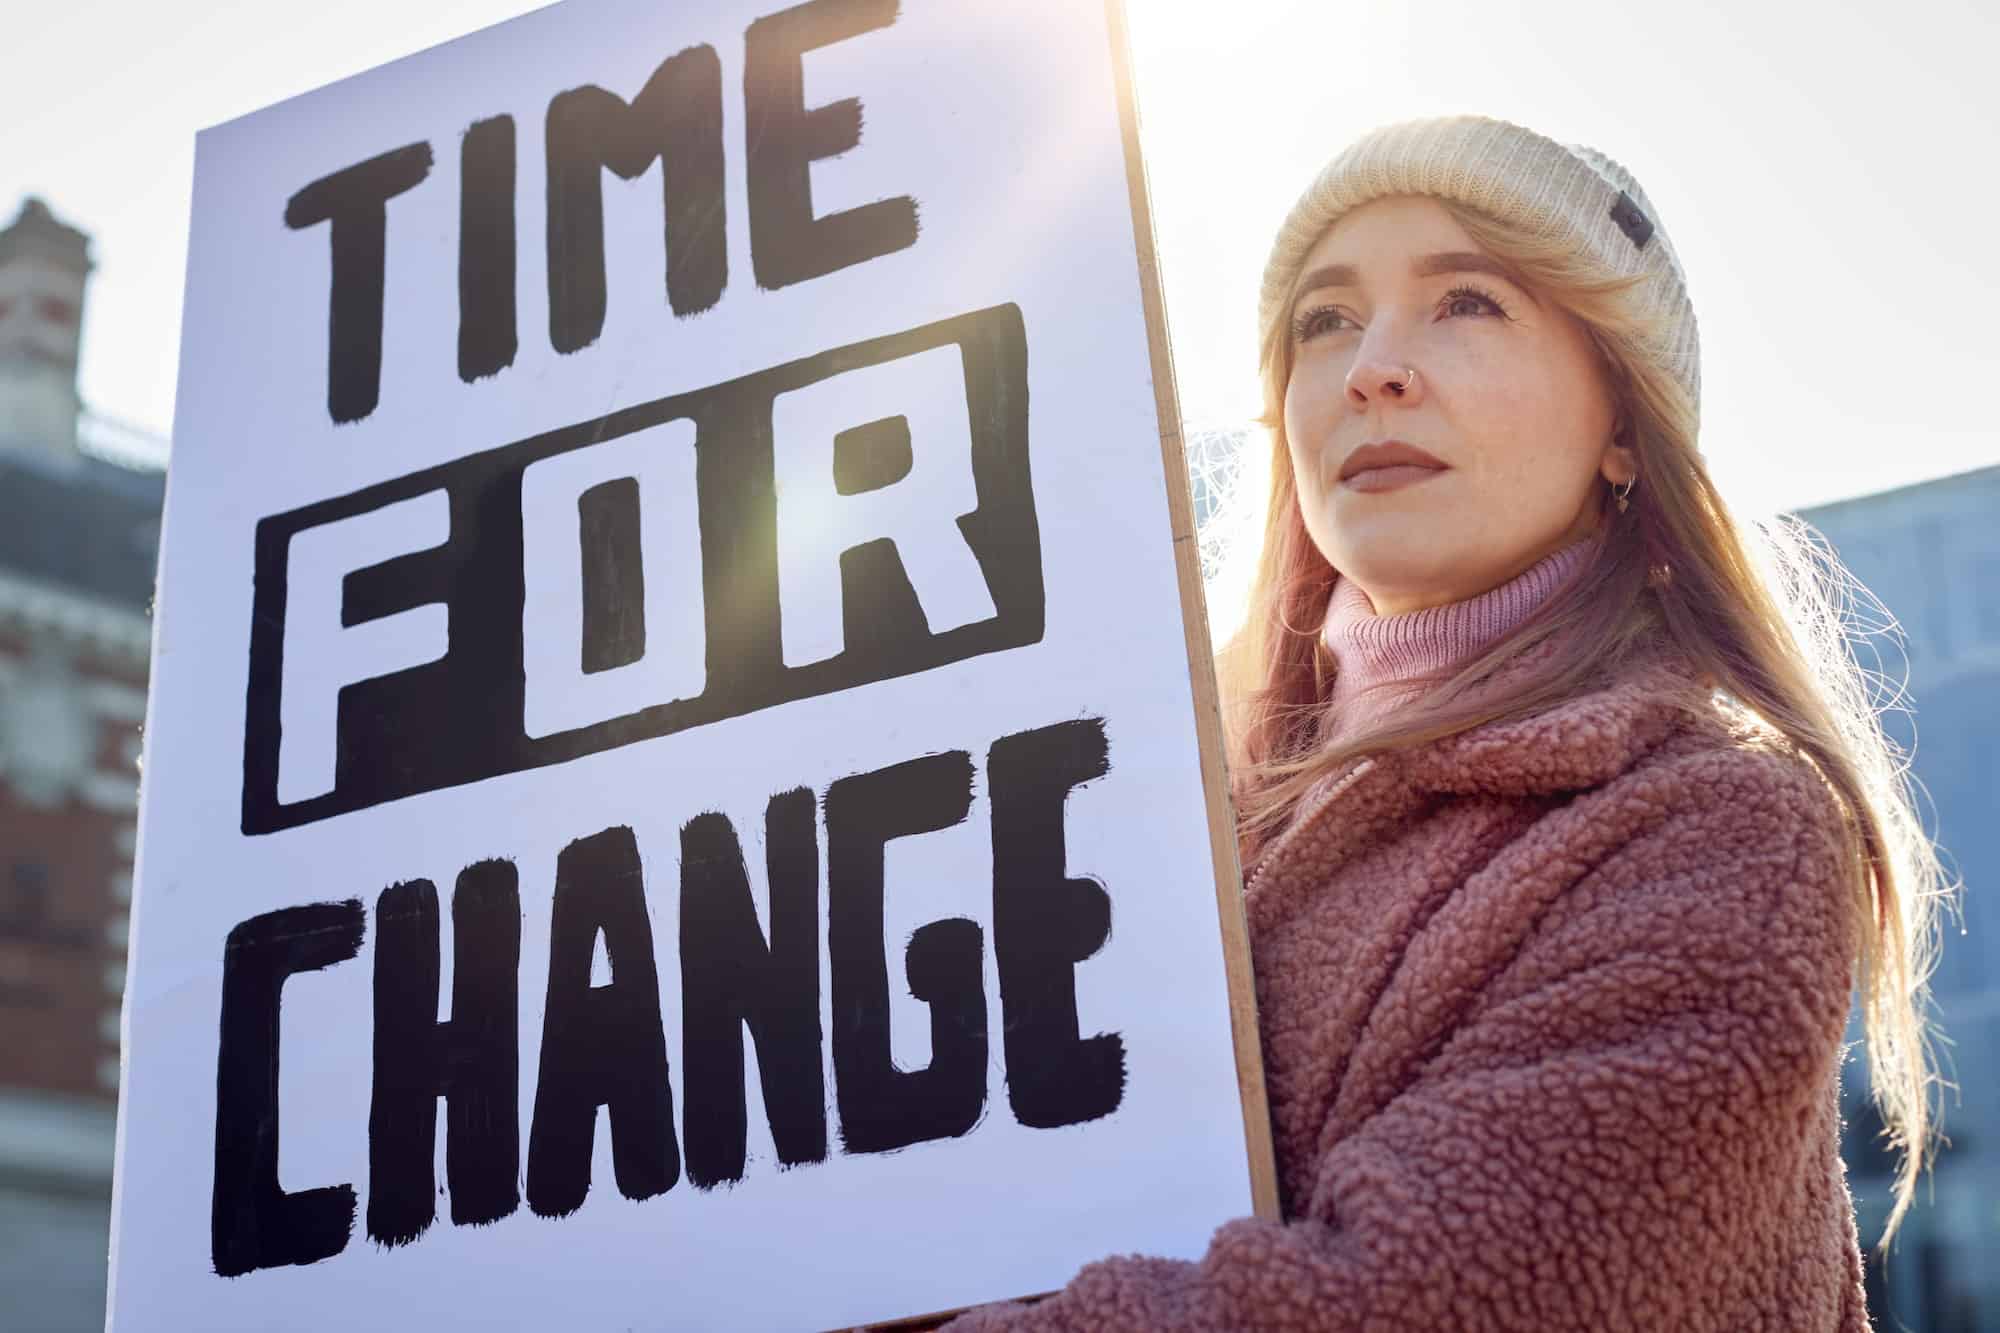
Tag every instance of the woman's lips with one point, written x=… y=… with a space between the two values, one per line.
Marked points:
x=1391 y=478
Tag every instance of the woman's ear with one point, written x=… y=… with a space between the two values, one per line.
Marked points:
x=1620 y=463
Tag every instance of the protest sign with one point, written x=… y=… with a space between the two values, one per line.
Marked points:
x=682 y=786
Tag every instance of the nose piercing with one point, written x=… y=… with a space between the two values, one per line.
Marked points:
x=1409 y=381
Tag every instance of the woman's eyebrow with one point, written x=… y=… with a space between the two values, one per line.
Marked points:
x=1424 y=266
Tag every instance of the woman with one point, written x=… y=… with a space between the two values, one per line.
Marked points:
x=1566 y=831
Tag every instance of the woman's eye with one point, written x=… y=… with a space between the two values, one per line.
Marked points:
x=1472 y=301
x=1311 y=323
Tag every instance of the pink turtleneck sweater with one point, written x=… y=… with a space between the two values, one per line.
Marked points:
x=1374 y=653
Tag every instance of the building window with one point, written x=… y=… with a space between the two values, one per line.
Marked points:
x=24 y=910
x=26 y=904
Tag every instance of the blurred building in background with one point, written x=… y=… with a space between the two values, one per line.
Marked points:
x=79 y=530
x=1931 y=554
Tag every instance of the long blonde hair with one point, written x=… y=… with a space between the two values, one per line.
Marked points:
x=1757 y=609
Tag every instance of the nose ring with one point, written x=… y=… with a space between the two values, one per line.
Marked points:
x=1409 y=381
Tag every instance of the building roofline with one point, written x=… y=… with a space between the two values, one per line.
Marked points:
x=1989 y=472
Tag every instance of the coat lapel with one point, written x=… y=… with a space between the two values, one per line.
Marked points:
x=1580 y=743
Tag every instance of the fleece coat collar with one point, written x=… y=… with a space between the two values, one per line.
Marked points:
x=1579 y=744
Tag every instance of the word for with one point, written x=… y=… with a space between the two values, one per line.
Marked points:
x=676 y=120
x=861 y=514
x=604 y=1046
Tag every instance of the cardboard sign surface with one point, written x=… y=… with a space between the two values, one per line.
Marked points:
x=681 y=784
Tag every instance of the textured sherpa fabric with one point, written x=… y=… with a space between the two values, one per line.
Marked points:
x=1552 y=1015
x=1593 y=204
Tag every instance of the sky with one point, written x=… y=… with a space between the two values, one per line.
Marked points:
x=1825 y=172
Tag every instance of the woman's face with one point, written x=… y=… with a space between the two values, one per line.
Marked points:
x=1509 y=412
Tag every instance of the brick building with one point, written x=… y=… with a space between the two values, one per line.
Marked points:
x=79 y=530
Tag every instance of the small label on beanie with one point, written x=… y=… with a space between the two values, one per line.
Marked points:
x=1631 y=221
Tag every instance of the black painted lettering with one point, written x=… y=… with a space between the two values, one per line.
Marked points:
x=869 y=457
x=472 y=1060
x=487 y=339
x=614 y=575
x=783 y=139
x=730 y=979
x=254 y=1223
x=1044 y=923
x=881 y=1107
x=602 y=1045
x=355 y=201
x=677 y=120
x=459 y=719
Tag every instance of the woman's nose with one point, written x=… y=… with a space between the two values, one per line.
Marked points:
x=1374 y=379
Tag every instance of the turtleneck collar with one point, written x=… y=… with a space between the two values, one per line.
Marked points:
x=1371 y=650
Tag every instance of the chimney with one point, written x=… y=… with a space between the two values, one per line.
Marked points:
x=44 y=264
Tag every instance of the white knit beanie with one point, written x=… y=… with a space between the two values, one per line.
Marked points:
x=1513 y=175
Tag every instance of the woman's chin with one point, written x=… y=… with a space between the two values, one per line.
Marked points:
x=1388 y=535
x=1394 y=580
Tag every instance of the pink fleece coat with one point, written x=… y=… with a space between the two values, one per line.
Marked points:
x=1552 y=1015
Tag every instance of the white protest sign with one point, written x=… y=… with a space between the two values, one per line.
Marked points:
x=680 y=788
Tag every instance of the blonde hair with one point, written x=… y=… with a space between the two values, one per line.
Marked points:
x=1757 y=609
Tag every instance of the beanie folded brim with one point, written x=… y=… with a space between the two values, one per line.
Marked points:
x=1568 y=193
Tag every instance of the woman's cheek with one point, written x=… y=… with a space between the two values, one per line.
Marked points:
x=1300 y=434
x=1309 y=414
